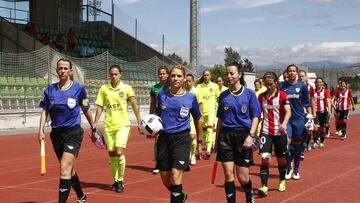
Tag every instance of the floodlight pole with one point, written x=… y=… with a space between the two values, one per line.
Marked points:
x=112 y=25
x=136 y=39
x=194 y=35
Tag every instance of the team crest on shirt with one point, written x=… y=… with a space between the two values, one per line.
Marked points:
x=226 y=108
x=211 y=90
x=163 y=107
x=297 y=90
x=243 y=108
x=121 y=94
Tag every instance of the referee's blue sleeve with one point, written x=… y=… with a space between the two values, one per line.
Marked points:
x=305 y=93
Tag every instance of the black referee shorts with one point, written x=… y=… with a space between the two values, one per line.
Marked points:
x=173 y=151
x=230 y=148
x=66 y=140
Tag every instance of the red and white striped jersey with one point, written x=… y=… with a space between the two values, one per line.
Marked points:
x=342 y=98
x=320 y=100
x=311 y=91
x=273 y=112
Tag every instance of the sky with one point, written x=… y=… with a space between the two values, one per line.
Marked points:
x=264 y=31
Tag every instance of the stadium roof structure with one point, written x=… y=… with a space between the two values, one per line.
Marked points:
x=16 y=0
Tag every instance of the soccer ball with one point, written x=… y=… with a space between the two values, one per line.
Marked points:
x=151 y=125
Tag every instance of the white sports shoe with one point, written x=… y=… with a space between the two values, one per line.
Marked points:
x=296 y=176
x=289 y=174
x=193 y=160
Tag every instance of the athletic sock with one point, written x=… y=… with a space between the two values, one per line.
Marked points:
x=289 y=156
x=248 y=191
x=114 y=164
x=264 y=174
x=297 y=154
x=64 y=190
x=176 y=194
x=230 y=192
x=121 y=168
x=282 y=172
x=75 y=184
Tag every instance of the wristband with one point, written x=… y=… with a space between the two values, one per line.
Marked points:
x=252 y=135
x=93 y=130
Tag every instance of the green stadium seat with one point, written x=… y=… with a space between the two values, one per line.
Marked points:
x=11 y=81
x=42 y=82
x=3 y=81
x=19 y=81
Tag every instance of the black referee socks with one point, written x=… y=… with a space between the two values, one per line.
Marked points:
x=176 y=194
x=75 y=183
x=230 y=192
x=64 y=190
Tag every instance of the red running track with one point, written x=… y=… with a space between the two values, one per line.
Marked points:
x=331 y=174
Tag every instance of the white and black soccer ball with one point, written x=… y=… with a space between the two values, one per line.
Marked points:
x=151 y=125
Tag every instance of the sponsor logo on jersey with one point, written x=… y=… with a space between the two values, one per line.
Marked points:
x=163 y=107
x=71 y=102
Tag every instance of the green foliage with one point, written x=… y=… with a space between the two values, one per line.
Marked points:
x=232 y=55
x=177 y=59
x=354 y=82
x=217 y=70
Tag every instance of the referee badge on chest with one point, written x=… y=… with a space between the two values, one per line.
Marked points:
x=71 y=102
x=184 y=112
x=243 y=108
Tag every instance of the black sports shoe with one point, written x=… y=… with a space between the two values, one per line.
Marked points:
x=113 y=185
x=185 y=197
x=119 y=187
x=250 y=196
x=82 y=199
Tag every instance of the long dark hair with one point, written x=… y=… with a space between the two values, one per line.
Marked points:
x=240 y=70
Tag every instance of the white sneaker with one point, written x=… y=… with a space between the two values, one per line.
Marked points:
x=288 y=175
x=296 y=176
x=328 y=135
x=155 y=171
x=193 y=160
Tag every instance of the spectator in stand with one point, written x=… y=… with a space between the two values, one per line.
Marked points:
x=90 y=51
x=59 y=42
x=71 y=37
x=83 y=50
x=30 y=28
x=46 y=39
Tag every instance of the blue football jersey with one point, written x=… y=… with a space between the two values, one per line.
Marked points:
x=175 y=111
x=298 y=97
x=63 y=106
x=237 y=111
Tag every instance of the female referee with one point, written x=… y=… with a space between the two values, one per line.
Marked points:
x=63 y=101
x=238 y=115
x=115 y=97
x=163 y=74
x=276 y=114
x=174 y=142
x=298 y=96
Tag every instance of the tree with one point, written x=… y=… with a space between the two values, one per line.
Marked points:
x=231 y=55
x=177 y=59
x=217 y=70
x=248 y=65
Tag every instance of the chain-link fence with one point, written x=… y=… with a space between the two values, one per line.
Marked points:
x=24 y=76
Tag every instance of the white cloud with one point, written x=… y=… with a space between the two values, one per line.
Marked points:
x=237 y=4
x=127 y=2
x=322 y=1
x=346 y=52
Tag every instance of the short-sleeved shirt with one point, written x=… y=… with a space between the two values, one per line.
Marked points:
x=154 y=92
x=273 y=109
x=208 y=96
x=261 y=90
x=237 y=111
x=63 y=105
x=298 y=96
x=320 y=100
x=115 y=100
x=175 y=111
x=342 y=98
